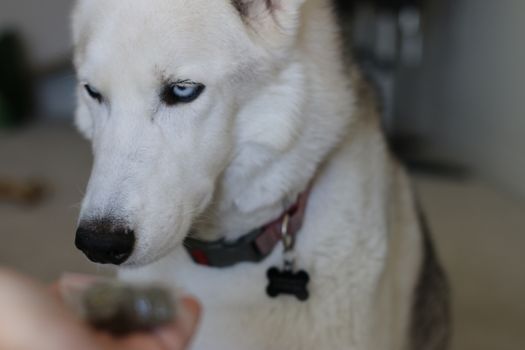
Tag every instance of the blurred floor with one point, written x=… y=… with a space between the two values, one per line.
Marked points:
x=479 y=231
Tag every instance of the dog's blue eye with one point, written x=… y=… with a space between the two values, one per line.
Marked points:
x=93 y=93
x=181 y=92
x=184 y=91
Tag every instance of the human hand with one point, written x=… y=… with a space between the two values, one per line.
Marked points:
x=33 y=317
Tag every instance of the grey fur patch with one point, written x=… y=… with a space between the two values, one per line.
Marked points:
x=430 y=328
x=243 y=6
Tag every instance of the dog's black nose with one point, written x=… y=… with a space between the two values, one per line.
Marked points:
x=104 y=243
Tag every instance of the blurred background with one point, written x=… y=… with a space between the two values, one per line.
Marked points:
x=451 y=77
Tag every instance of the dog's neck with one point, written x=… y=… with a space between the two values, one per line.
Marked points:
x=302 y=119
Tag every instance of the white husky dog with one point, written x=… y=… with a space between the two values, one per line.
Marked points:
x=210 y=119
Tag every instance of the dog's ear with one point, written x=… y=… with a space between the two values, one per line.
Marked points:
x=282 y=15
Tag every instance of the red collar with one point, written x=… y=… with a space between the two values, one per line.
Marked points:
x=254 y=246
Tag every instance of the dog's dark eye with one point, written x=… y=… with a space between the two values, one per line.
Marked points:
x=181 y=92
x=93 y=93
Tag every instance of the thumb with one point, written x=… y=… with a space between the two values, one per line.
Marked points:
x=179 y=335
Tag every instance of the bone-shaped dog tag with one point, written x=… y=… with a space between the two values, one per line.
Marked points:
x=289 y=283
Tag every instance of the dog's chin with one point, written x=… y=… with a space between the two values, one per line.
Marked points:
x=136 y=263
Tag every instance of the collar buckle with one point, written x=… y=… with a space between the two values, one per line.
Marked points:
x=287 y=238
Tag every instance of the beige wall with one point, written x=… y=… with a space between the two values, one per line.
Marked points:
x=43 y=23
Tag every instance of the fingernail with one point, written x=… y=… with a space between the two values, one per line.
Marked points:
x=72 y=286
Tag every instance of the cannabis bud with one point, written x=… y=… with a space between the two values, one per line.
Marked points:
x=122 y=309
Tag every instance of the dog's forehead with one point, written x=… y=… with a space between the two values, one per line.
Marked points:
x=163 y=33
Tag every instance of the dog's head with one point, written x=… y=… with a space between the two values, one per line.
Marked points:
x=161 y=87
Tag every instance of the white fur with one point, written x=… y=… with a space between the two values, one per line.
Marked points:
x=277 y=112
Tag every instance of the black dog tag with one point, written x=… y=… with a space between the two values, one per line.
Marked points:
x=288 y=283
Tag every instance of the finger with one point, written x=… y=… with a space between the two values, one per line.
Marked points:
x=179 y=335
x=70 y=288
x=76 y=282
x=30 y=316
x=189 y=316
x=133 y=342
x=54 y=291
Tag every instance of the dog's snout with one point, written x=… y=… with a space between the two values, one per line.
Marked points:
x=104 y=243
